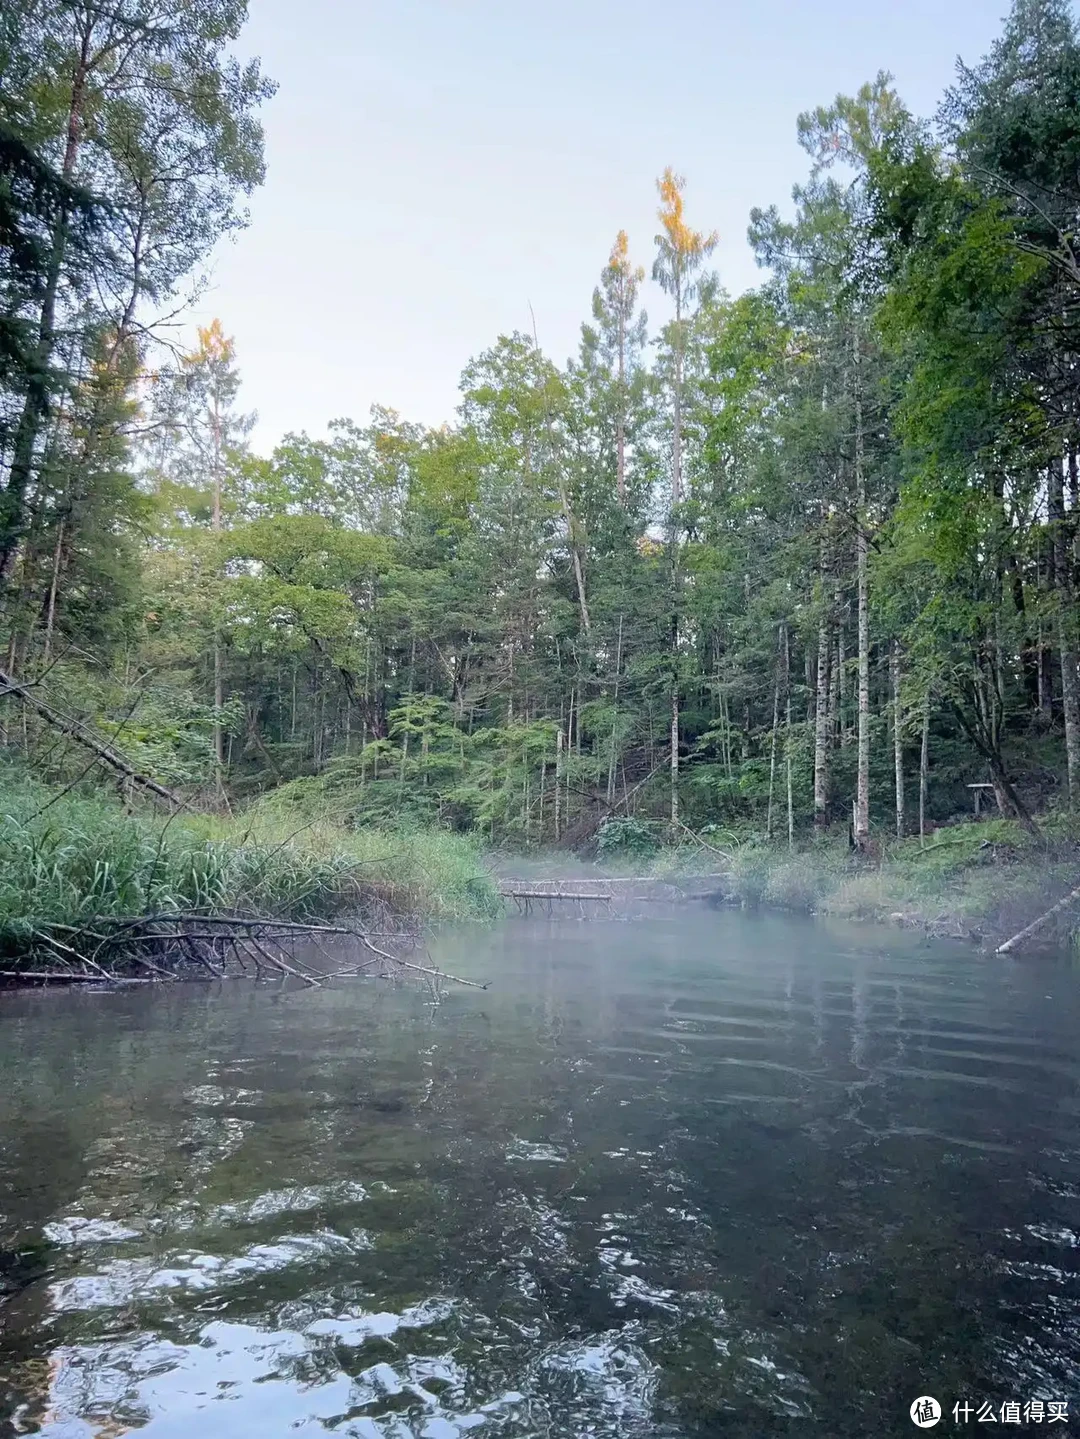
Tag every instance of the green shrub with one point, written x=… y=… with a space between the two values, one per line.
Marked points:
x=628 y=839
x=794 y=883
x=749 y=875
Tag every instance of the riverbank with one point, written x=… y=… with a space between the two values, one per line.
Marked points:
x=70 y=860
x=67 y=859
x=979 y=881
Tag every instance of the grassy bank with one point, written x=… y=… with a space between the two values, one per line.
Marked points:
x=66 y=859
x=977 y=881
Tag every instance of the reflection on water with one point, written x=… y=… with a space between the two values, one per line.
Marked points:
x=701 y=1175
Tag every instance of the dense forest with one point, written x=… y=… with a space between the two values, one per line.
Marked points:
x=798 y=559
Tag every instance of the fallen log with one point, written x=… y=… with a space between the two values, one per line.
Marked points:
x=42 y=976
x=1036 y=924
x=555 y=894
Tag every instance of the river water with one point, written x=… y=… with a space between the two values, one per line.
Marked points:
x=704 y=1174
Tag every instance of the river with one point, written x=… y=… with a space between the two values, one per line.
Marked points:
x=702 y=1174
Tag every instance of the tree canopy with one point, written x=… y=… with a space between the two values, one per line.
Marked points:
x=799 y=558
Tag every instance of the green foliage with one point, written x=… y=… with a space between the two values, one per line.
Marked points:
x=775 y=532
x=628 y=838
x=70 y=858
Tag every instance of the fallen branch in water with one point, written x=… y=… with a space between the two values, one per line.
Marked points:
x=167 y=946
x=67 y=976
x=418 y=968
x=1036 y=924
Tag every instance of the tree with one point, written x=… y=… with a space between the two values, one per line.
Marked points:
x=680 y=254
x=674 y=591
x=618 y=341
x=144 y=107
x=199 y=436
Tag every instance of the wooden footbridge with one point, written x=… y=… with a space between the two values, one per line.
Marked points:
x=598 y=896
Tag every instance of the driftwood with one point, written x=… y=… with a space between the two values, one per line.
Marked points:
x=79 y=732
x=545 y=893
x=1036 y=924
x=166 y=947
x=400 y=963
x=535 y=892
x=598 y=895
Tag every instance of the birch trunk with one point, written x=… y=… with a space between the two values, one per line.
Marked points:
x=54 y=583
x=676 y=435
x=821 y=726
x=842 y=678
x=676 y=496
x=219 y=678
x=924 y=766
x=772 y=748
x=614 y=719
x=620 y=422
x=558 y=778
x=675 y=755
x=862 y=792
x=787 y=741
x=898 y=737
x=1065 y=624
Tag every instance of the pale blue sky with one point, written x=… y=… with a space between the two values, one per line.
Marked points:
x=435 y=165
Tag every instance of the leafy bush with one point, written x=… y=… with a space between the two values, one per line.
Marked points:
x=628 y=839
x=795 y=883
x=750 y=875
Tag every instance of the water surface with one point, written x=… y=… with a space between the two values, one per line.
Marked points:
x=707 y=1174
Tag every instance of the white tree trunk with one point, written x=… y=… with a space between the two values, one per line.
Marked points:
x=219 y=678
x=787 y=742
x=772 y=747
x=898 y=737
x=1065 y=624
x=862 y=792
x=924 y=765
x=821 y=726
x=675 y=754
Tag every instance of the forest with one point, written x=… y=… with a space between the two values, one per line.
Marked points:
x=800 y=560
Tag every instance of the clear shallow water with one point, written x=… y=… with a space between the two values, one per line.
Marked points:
x=701 y=1175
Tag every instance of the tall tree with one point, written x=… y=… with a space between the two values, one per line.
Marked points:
x=680 y=254
x=108 y=94
x=200 y=436
x=619 y=338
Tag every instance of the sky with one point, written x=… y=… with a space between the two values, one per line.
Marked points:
x=436 y=167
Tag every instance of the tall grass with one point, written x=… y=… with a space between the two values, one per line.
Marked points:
x=67 y=860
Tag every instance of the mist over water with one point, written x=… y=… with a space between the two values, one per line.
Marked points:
x=708 y=1173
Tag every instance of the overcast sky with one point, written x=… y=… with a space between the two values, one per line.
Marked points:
x=433 y=166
